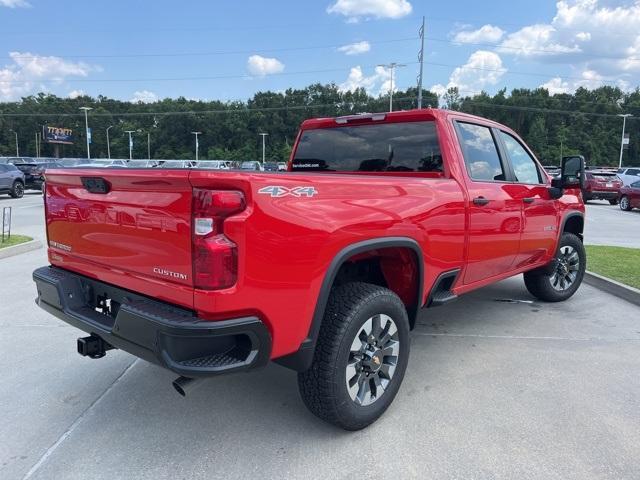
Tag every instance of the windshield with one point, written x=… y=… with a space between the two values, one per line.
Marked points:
x=390 y=147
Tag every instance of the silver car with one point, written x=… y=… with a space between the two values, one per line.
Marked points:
x=11 y=180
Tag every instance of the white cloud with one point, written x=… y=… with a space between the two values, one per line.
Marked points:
x=377 y=83
x=355 y=48
x=592 y=35
x=262 y=66
x=14 y=3
x=556 y=85
x=29 y=72
x=589 y=79
x=535 y=40
x=482 y=69
x=144 y=96
x=486 y=33
x=359 y=9
x=76 y=93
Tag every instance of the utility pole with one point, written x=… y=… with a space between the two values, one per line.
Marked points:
x=197 y=144
x=148 y=145
x=392 y=66
x=421 y=60
x=264 y=136
x=37 y=147
x=108 y=145
x=17 y=150
x=130 y=143
x=86 y=126
x=624 y=127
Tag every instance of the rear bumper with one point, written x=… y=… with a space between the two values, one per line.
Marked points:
x=154 y=331
x=602 y=194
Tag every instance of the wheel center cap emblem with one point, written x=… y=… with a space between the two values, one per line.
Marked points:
x=376 y=360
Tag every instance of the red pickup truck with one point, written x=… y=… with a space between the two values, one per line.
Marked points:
x=324 y=268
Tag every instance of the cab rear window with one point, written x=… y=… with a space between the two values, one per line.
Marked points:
x=388 y=147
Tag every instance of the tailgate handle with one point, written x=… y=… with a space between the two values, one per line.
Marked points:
x=96 y=184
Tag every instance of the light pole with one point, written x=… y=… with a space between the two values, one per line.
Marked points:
x=392 y=66
x=86 y=126
x=197 y=144
x=624 y=126
x=264 y=136
x=148 y=145
x=108 y=145
x=17 y=150
x=130 y=143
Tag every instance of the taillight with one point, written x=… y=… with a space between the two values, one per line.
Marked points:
x=215 y=257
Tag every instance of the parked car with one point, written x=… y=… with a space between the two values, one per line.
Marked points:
x=629 y=196
x=142 y=163
x=323 y=270
x=103 y=164
x=214 y=164
x=282 y=166
x=271 y=167
x=178 y=164
x=11 y=180
x=629 y=175
x=34 y=173
x=72 y=162
x=601 y=185
x=250 y=165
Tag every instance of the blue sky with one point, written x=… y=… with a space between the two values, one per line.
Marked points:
x=146 y=50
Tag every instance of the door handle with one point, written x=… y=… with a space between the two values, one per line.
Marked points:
x=528 y=200
x=480 y=201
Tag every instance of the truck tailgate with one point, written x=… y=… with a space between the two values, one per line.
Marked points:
x=137 y=223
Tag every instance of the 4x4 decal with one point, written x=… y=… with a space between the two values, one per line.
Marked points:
x=277 y=191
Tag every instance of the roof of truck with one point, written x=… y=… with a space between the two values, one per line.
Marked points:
x=400 y=116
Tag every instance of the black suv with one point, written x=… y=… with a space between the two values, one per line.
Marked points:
x=34 y=172
x=11 y=180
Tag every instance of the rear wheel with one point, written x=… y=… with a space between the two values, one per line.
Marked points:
x=559 y=280
x=360 y=358
x=625 y=204
x=17 y=190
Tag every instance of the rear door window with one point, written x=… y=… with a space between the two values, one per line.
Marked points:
x=387 y=147
x=480 y=152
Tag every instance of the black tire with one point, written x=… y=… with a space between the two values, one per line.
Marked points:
x=324 y=386
x=17 y=189
x=613 y=202
x=556 y=282
x=625 y=204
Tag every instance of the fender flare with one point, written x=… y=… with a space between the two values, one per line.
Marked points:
x=566 y=218
x=301 y=360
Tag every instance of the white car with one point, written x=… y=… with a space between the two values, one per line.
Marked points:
x=103 y=164
x=629 y=175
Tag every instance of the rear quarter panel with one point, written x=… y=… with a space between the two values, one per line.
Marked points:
x=286 y=243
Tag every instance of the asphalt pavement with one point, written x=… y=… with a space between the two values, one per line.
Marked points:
x=498 y=386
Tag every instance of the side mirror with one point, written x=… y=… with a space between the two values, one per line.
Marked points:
x=572 y=172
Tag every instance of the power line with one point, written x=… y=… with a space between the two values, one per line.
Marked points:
x=206 y=54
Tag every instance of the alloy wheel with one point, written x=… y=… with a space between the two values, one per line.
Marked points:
x=372 y=360
x=566 y=269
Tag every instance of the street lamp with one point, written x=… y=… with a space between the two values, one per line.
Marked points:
x=148 y=145
x=392 y=66
x=197 y=145
x=16 y=134
x=130 y=143
x=264 y=136
x=86 y=126
x=624 y=126
x=108 y=145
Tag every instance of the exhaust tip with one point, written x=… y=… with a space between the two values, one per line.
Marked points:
x=179 y=388
x=184 y=385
